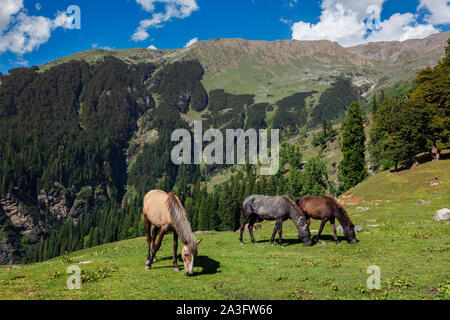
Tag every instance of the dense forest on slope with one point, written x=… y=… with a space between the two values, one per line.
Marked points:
x=291 y=113
x=63 y=139
x=179 y=86
x=334 y=101
x=57 y=127
x=419 y=122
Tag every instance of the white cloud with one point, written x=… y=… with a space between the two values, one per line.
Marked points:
x=172 y=9
x=140 y=35
x=337 y=23
x=285 y=21
x=152 y=47
x=20 y=61
x=62 y=20
x=351 y=22
x=9 y=8
x=97 y=46
x=438 y=11
x=38 y=6
x=21 y=33
x=191 y=42
x=401 y=27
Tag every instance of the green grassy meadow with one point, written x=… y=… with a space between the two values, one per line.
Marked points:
x=398 y=235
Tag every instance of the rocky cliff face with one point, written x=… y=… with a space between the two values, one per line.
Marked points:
x=20 y=223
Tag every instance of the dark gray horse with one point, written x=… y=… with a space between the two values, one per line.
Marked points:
x=278 y=208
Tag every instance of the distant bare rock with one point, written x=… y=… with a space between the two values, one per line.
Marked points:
x=256 y=226
x=442 y=215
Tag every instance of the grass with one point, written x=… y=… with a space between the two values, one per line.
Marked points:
x=398 y=235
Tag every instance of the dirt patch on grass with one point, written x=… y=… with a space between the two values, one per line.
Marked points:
x=351 y=201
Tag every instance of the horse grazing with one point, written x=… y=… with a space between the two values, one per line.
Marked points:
x=164 y=212
x=328 y=209
x=278 y=208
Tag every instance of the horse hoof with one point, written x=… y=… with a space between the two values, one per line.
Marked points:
x=282 y=246
x=176 y=269
x=241 y=243
x=272 y=244
x=154 y=259
x=147 y=267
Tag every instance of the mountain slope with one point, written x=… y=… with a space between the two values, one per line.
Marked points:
x=394 y=60
x=273 y=70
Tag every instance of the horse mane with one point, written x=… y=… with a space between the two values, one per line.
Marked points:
x=344 y=212
x=293 y=204
x=180 y=222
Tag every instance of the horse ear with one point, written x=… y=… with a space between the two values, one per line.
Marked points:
x=198 y=241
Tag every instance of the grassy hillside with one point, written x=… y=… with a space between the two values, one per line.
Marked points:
x=398 y=235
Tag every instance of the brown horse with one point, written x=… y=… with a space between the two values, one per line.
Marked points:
x=165 y=212
x=328 y=209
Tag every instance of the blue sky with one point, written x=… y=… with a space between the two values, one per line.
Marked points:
x=35 y=32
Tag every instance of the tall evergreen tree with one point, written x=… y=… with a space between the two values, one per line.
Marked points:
x=353 y=167
x=374 y=104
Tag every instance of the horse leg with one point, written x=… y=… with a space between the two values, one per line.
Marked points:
x=280 y=231
x=333 y=227
x=156 y=248
x=245 y=217
x=175 y=247
x=250 y=228
x=322 y=224
x=147 y=230
x=153 y=232
x=275 y=229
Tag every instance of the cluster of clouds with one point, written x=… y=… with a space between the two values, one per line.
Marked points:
x=172 y=9
x=351 y=22
x=22 y=33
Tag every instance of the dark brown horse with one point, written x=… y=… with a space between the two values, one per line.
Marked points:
x=328 y=209
x=278 y=208
x=163 y=211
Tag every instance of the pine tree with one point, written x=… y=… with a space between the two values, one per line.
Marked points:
x=374 y=104
x=353 y=167
x=203 y=217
